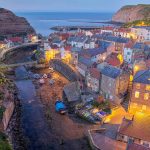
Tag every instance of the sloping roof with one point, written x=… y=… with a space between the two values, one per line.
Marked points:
x=141 y=46
x=93 y=52
x=113 y=60
x=72 y=92
x=111 y=72
x=104 y=44
x=142 y=27
x=135 y=146
x=142 y=77
x=87 y=62
x=116 y=39
x=138 y=128
x=95 y=73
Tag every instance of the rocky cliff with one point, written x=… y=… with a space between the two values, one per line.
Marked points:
x=132 y=13
x=11 y=24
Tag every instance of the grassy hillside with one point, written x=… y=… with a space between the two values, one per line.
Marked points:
x=137 y=23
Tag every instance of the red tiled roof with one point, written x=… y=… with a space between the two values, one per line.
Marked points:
x=126 y=30
x=129 y=44
x=137 y=147
x=113 y=60
x=108 y=28
x=95 y=73
x=16 y=39
x=68 y=48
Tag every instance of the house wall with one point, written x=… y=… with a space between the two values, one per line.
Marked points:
x=74 y=56
x=138 y=104
x=111 y=49
x=82 y=69
x=127 y=55
x=123 y=83
x=108 y=87
x=99 y=57
x=141 y=34
x=92 y=83
x=125 y=138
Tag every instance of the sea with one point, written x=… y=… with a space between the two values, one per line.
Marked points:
x=43 y=21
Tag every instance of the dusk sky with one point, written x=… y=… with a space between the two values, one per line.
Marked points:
x=68 y=5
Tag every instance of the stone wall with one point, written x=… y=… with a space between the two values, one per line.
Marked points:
x=8 y=114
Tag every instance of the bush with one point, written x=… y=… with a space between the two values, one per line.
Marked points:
x=102 y=105
x=2 y=110
x=4 y=145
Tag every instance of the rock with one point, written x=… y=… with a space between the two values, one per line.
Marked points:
x=12 y=24
x=131 y=13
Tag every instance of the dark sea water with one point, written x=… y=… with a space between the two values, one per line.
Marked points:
x=43 y=21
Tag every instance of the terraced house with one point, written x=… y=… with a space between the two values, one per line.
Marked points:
x=114 y=83
x=140 y=99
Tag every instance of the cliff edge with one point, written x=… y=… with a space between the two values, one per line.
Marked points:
x=12 y=24
x=132 y=13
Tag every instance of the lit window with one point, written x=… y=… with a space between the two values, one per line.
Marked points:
x=137 y=86
x=146 y=96
x=134 y=105
x=148 y=87
x=137 y=94
x=144 y=107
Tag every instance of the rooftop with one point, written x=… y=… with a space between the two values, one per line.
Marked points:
x=113 y=60
x=141 y=46
x=95 y=73
x=142 y=77
x=138 y=128
x=111 y=72
x=105 y=139
x=137 y=147
x=143 y=27
x=87 y=62
x=93 y=52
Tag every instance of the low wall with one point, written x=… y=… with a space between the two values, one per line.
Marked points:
x=4 y=52
x=91 y=141
x=8 y=113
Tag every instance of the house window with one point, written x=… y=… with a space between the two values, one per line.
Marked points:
x=138 y=86
x=134 y=105
x=128 y=53
x=146 y=96
x=148 y=87
x=144 y=107
x=137 y=94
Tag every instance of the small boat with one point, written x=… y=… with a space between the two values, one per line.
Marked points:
x=60 y=107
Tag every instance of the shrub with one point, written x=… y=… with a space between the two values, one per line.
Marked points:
x=4 y=145
x=2 y=110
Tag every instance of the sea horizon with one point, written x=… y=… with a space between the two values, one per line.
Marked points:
x=42 y=22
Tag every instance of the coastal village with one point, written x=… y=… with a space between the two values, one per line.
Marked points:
x=102 y=75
